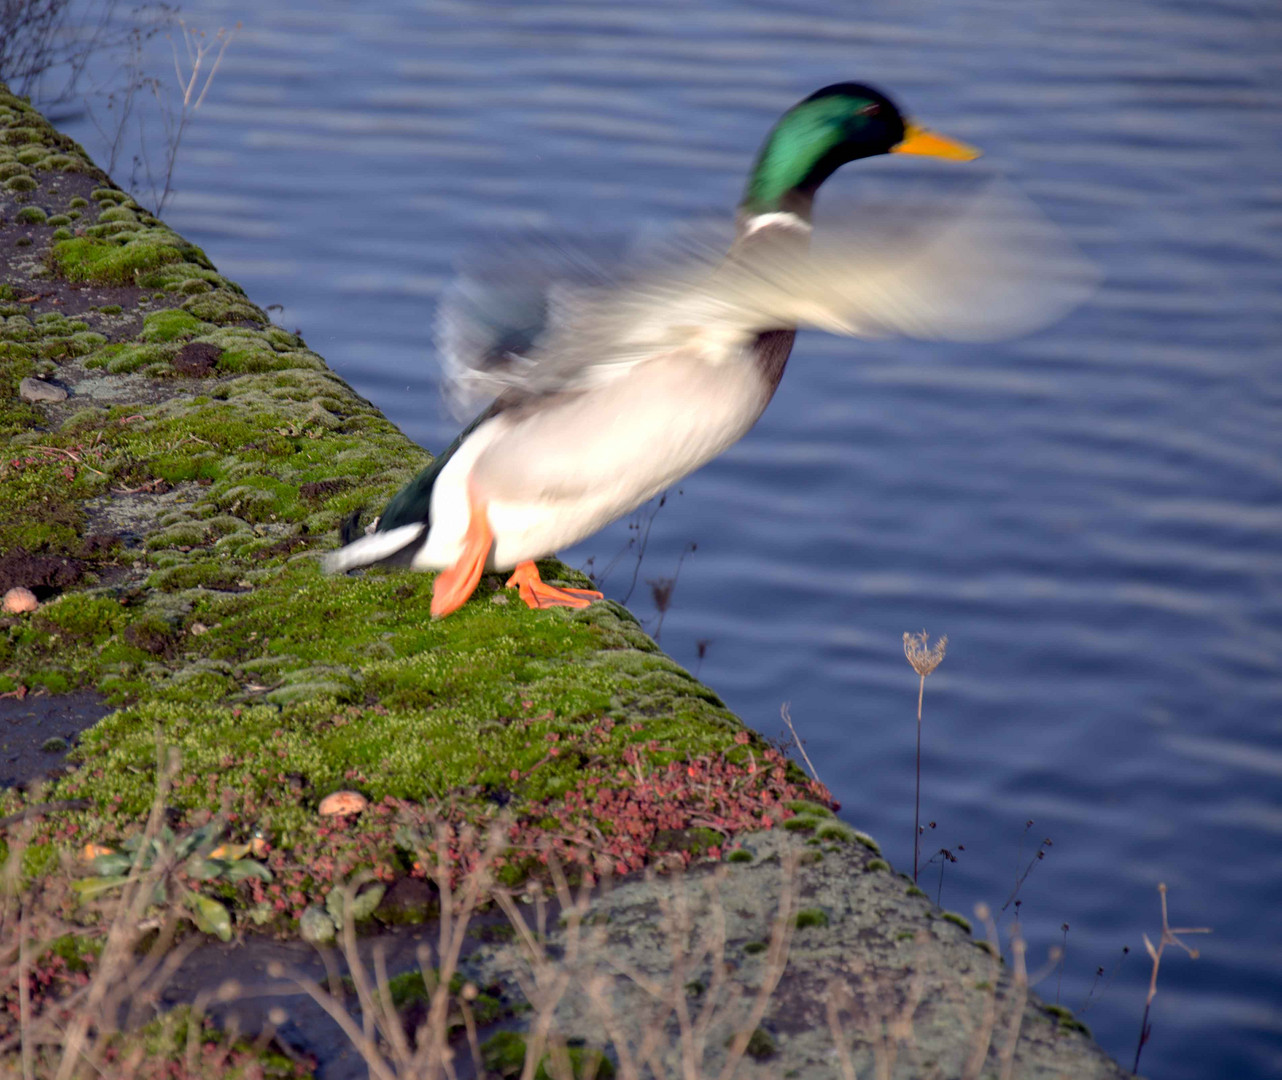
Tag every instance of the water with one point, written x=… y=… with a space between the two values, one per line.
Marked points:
x=1090 y=514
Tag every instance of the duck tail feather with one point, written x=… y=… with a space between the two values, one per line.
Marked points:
x=396 y=547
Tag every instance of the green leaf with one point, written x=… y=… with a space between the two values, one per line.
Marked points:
x=91 y=887
x=210 y=916
x=112 y=865
x=206 y=869
x=365 y=903
x=195 y=840
x=362 y=907
x=239 y=871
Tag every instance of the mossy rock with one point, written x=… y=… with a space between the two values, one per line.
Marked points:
x=117 y=213
x=89 y=259
x=222 y=307
x=171 y=325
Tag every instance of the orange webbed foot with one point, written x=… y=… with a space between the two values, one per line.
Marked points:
x=537 y=594
x=454 y=585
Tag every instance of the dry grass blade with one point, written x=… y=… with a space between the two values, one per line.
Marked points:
x=988 y=1018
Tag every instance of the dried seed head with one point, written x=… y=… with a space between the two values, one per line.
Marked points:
x=924 y=658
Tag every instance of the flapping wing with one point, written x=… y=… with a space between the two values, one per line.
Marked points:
x=493 y=322
x=989 y=269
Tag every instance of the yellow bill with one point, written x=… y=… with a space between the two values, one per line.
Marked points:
x=917 y=140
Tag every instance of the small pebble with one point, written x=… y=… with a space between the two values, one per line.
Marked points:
x=343 y=802
x=17 y=600
x=199 y=628
x=38 y=390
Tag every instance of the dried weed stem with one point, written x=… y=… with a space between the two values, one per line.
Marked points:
x=923 y=658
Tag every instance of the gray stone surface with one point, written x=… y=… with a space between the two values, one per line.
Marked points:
x=881 y=977
x=35 y=390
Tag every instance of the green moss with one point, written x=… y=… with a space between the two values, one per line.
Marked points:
x=169 y=1039
x=739 y=855
x=761 y=1045
x=809 y=917
x=912 y=890
x=868 y=842
x=906 y=935
x=124 y=359
x=77 y=952
x=1065 y=1020
x=953 y=917
x=58 y=220
x=10 y=169
x=222 y=306
x=16 y=136
x=87 y=617
x=21 y=182
x=809 y=809
x=105 y=263
x=876 y=864
x=503 y=1054
x=835 y=830
x=753 y=948
x=172 y=275
x=31 y=215
x=78 y=203
x=171 y=325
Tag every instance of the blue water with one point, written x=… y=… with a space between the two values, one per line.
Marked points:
x=1091 y=514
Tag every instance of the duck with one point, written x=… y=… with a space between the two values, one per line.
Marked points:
x=607 y=388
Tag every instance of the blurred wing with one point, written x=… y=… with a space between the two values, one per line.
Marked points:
x=993 y=268
x=493 y=320
x=996 y=268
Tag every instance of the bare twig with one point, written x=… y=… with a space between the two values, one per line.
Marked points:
x=786 y=713
x=1169 y=937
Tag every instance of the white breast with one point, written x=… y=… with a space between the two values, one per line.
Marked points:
x=555 y=474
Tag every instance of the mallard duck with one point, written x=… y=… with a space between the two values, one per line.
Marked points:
x=604 y=392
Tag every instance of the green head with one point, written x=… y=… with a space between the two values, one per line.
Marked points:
x=814 y=138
